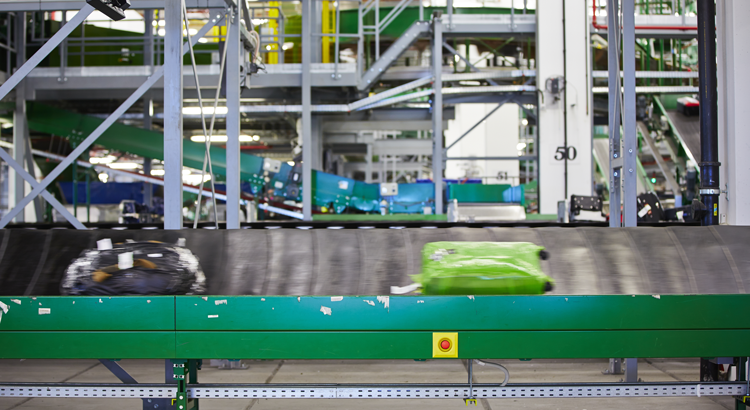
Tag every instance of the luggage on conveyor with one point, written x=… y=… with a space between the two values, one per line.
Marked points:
x=134 y=268
x=483 y=268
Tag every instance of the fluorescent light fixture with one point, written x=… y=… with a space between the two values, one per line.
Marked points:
x=287 y=46
x=124 y=165
x=102 y=160
x=103 y=177
x=525 y=122
x=255 y=138
x=206 y=110
x=161 y=32
x=221 y=138
x=520 y=146
x=290 y=163
x=157 y=172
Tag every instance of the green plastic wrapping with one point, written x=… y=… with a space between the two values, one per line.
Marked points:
x=482 y=268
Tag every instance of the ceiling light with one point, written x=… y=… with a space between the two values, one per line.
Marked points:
x=520 y=146
x=256 y=137
x=124 y=165
x=290 y=163
x=525 y=122
x=219 y=138
x=157 y=172
x=102 y=160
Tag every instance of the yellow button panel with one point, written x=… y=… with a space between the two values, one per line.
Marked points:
x=445 y=345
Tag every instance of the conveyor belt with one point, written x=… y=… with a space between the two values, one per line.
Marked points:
x=689 y=132
x=640 y=260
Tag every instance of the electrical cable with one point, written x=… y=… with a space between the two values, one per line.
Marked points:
x=499 y=366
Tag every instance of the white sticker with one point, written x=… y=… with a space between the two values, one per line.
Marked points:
x=420 y=301
x=385 y=300
x=279 y=185
x=343 y=184
x=155 y=255
x=104 y=244
x=262 y=299
x=125 y=260
x=220 y=302
x=16 y=301
x=644 y=211
x=213 y=316
x=656 y=296
x=470 y=297
x=205 y=298
x=325 y=310
x=369 y=302
x=298 y=298
x=337 y=298
x=45 y=311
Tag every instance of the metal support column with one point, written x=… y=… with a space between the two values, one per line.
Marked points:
x=173 y=115
x=631 y=370
x=437 y=113
x=233 y=120
x=307 y=40
x=148 y=101
x=19 y=118
x=629 y=204
x=615 y=157
x=368 y=164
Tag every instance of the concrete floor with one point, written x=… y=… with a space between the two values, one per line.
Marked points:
x=445 y=371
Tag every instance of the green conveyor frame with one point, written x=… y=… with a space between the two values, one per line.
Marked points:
x=372 y=327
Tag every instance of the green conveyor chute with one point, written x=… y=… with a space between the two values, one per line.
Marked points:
x=137 y=141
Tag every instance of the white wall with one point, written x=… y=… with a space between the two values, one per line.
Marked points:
x=496 y=137
x=552 y=57
x=734 y=123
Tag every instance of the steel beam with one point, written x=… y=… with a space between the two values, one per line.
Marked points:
x=85 y=144
x=615 y=157
x=437 y=113
x=19 y=120
x=307 y=142
x=47 y=48
x=46 y=195
x=233 y=121
x=173 y=51
x=630 y=153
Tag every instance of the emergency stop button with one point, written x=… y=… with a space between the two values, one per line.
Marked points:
x=445 y=345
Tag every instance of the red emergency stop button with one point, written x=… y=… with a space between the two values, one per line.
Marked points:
x=445 y=345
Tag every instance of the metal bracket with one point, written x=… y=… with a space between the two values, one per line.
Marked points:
x=709 y=191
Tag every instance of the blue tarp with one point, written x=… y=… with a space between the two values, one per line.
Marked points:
x=105 y=193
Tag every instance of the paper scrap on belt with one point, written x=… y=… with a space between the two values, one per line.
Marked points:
x=4 y=307
x=104 y=244
x=45 y=311
x=402 y=290
x=213 y=316
x=337 y=298
x=16 y=301
x=470 y=297
x=369 y=302
x=220 y=302
x=325 y=310
x=656 y=296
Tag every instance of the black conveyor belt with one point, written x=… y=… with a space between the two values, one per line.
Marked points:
x=642 y=260
x=689 y=130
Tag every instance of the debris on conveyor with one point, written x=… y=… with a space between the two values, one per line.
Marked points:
x=135 y=268
x=483 y=268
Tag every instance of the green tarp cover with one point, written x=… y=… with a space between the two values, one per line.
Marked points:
x=482 y=268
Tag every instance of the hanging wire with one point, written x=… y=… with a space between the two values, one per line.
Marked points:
x=206 y=135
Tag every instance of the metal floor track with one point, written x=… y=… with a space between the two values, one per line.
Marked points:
x=584 y=261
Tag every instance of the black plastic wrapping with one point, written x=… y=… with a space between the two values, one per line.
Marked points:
x=160 y=269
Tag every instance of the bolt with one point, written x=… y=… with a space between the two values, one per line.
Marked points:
x=630 y=170
x=615 y=173
x=630 y=151
x=615 y=155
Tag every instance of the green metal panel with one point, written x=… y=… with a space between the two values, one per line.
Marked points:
x=87 y=345
x=120 y=313
x=488 y=345
x=454 y=313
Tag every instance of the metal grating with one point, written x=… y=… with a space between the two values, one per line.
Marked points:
x=87 y=391
x=404 y=391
